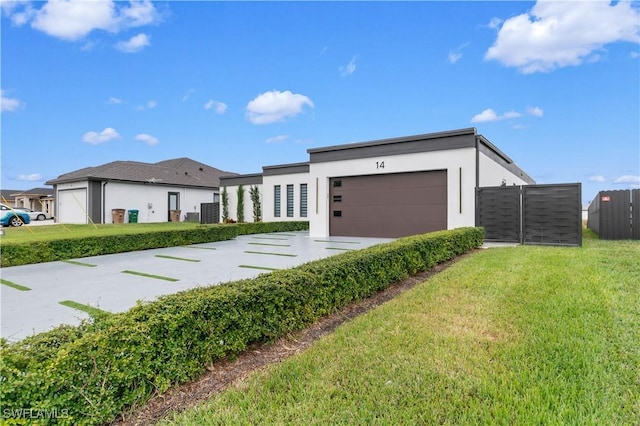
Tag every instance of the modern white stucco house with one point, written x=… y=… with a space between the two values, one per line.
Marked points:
x=383 y=188
x=91 y=194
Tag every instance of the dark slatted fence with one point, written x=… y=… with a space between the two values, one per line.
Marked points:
x=615 y=215
x=210 y=212
x=499 y=213
x=531 y=214
x=552 y=214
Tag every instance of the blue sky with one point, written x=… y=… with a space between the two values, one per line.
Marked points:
x=555 y=85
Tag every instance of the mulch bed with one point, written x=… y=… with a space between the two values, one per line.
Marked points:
x=223 y=373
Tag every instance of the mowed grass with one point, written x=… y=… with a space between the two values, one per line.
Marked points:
x=55 y=232
x=507 y=336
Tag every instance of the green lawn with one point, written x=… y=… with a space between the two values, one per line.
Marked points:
x=55 y=232
x=513 y=336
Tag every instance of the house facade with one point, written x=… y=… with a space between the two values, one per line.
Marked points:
x=40 y=199
x=160 y=192
x=386 y=188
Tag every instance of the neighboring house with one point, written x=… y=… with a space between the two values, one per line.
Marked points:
x=40 y=199
x=156 y=190
x=383 y=188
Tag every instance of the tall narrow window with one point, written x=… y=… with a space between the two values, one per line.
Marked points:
x=303 y=200
x=290 y=201
x=276 y=201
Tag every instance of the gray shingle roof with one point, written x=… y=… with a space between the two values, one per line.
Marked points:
x=179 y=171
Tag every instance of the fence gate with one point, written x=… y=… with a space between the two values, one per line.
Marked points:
x=499 y=213
x=552 y=214
x=531 y=214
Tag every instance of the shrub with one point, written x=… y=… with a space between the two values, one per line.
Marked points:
x=100 y=369
x=240 y=206
x=254 y=193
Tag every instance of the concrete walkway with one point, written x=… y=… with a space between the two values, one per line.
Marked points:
x=116 y=282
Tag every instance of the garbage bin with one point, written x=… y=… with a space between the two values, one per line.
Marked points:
x=174 y=215
x=133 y=216
x=117 y=215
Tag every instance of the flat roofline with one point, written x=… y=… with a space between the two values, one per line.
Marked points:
x=355 y=145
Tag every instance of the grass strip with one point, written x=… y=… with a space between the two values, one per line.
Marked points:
x=143 y=274
x=269 y=244
x=337 y=242
x=94 y=312
x=270 y=238
x=14 y=285
x=266 y=268
x=494 y=339
x=184 y=259
x=199 y=248
x=272 y=254
x=75 y=262
x=338 y=248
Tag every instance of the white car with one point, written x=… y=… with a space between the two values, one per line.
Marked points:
x=34 y=215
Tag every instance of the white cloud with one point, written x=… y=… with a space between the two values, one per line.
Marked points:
x=536 y=111
x=628 y=179
x=134 y=44
x=558 y=34
x=597 y=179
x=106 y=135
x=456 y=54
x=495 y=23
x=149 y=105
x=277 y=139
x=486 y=116
x=188 y=94
x=148 y=139
x=489 y=115
x=114 y=100
x=35 y=177
x=348 y=69
x=274 y=106
x=634 y=55
x=74 y=19
x=219 y=107
x=10 y=104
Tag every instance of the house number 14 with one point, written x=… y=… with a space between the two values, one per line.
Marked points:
x=379 y=164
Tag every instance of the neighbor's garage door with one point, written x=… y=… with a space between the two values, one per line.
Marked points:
x=72 y=206
x=392 y=205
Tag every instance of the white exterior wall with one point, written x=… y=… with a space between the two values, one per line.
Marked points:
x=152 y=201
x=493 y=174
x=268 y=199
x=460 y=192
x=232 y=192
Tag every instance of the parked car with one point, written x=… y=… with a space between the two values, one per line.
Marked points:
x=33 y=214
x=13 y=217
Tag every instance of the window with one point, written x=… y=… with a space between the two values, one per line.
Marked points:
x=276 y=201
x=303 y=200
x=337 y=198
x=337 y=213
x=289 y=200
x=337 y=183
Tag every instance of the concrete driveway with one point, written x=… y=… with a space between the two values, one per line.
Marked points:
x=31 y=294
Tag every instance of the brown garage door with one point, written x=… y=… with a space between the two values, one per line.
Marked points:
x=391 y=205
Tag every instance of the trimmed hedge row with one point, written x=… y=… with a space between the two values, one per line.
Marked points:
x=97 y=370
x=14 y=254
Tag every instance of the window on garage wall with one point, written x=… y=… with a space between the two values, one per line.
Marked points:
x=290 y=201
x=303 y=200
x=276 y=201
